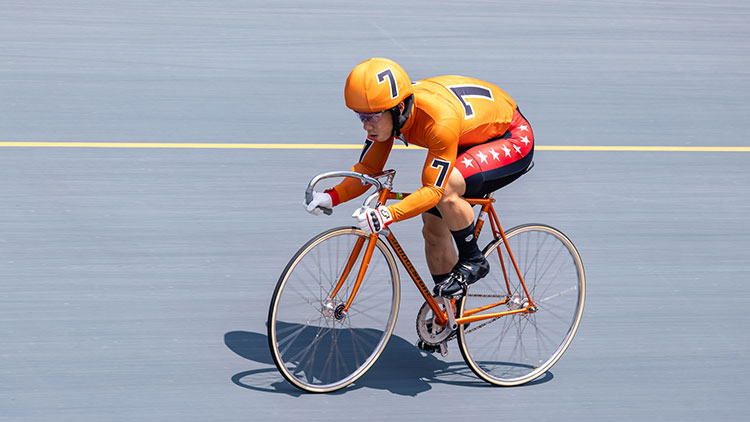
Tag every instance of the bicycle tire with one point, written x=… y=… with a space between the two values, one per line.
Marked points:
x=518 y=348
x=312 y=348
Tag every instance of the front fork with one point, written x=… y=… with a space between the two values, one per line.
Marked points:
x=341 y=311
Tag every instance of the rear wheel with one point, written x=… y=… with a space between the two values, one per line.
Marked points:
x=518 y=348
x=315 y=345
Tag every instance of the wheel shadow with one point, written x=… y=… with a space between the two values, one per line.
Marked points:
x=402 y=369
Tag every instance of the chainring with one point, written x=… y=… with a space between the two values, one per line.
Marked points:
x=428 y=330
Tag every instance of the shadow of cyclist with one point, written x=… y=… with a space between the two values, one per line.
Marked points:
x=402 y=369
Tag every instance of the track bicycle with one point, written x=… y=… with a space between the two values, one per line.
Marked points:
x=335 y=305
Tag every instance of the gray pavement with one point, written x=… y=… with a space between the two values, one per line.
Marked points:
x=134 y=283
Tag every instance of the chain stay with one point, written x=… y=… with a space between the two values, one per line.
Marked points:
x=423 y=312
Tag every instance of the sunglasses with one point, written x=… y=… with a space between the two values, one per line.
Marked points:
x=370 y=117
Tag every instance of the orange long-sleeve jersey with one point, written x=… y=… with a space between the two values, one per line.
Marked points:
x=449 y=112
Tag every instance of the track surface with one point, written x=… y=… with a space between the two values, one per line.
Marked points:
x=134 y=283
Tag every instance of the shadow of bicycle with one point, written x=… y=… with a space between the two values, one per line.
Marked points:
x=402 y=369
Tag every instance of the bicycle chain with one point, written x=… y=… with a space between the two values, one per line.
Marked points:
x=455 y=334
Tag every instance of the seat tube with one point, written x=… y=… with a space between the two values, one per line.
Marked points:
x=483 y=215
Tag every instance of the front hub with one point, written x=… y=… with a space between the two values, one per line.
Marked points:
x=339 y=313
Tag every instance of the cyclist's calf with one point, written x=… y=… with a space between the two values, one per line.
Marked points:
x=439 y=251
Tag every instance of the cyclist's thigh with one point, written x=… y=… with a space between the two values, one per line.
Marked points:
x=489 y=166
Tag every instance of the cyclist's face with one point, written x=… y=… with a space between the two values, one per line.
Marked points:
x=381 y=129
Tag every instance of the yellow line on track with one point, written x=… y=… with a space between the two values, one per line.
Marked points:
x=640 y=148
x=193 y=145
x=196 y=145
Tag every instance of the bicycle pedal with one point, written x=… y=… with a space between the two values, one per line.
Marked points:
x=421 y=345
x=444 y=349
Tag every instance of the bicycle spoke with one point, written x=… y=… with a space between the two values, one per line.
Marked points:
x=525 y=345
x=314 y=346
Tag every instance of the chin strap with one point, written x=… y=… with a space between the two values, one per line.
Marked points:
x=399 y=119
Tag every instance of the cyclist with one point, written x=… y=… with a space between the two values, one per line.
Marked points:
x=477 y=141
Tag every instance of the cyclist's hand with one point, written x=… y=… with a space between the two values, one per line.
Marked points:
x=373 y=220
x=321 y=202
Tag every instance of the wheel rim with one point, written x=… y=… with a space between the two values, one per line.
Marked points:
x=518 y=348
x=314 y=346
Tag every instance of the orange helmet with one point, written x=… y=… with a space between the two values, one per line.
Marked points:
x=375 y=85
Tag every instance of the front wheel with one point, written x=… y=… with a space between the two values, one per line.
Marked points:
x=315 y=345
x=517 y=348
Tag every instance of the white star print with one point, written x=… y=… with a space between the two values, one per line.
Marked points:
x=523 y=128
x=482 y=157
x=525 y=140
x=517 y=148
x=467 y=162
x=507 y=151
x=494 y=154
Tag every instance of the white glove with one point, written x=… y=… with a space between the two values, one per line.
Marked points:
x=321 y=202
x=373 y=220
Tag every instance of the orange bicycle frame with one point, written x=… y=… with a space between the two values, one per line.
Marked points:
x=469 y=315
